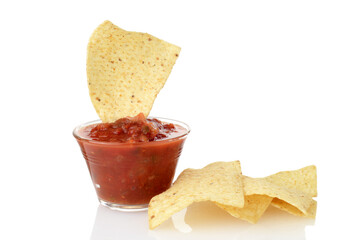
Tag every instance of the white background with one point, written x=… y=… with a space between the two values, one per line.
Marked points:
x=274 y=84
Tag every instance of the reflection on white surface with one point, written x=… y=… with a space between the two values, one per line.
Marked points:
x=199 y=221
x=111 y=224
x=178 y=220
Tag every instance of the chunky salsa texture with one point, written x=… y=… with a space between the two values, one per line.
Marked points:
x=131 y=160
x=132 y=129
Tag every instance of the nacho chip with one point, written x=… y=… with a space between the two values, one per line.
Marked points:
x=218 y=182
x=291 y=191
x=303 y=179
x=254 y=207
x=296 y=198
x=310 y=213
x=126 y=70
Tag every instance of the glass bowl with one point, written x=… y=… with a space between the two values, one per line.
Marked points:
x=127 y=175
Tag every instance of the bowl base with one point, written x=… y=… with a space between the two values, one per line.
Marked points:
x=124 y=208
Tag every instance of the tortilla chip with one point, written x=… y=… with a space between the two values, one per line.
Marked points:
x=297 y=198
x=126 y=71
x=218 y=182
x=303 y=179
x=254 y=207
x=310 y=213
x=291 y=191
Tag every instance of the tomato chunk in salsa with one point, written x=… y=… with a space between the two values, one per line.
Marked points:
x=132 y=159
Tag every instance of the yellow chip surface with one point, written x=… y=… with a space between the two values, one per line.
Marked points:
x=303 y=179
x=310 y=212
x=219 y=182
x=126 y=70
x=254 y=207
x=297 y=198
x=291 y=191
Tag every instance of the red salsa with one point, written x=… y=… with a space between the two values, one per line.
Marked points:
x=132 y=159
x=131 y=130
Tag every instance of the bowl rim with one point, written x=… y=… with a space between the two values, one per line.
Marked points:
x=165 y=120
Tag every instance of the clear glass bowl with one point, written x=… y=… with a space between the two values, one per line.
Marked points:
x=127 y=175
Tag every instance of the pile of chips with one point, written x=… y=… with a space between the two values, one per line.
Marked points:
x=241 y=196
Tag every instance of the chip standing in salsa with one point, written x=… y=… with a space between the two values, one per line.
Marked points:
x=132 y=159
